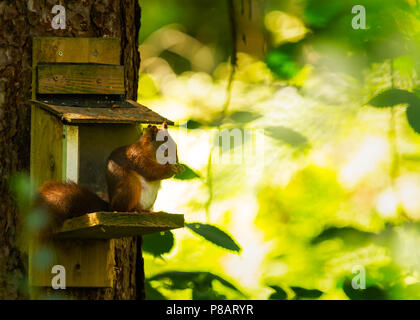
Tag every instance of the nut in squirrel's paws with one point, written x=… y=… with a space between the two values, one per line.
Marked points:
x=178 y=168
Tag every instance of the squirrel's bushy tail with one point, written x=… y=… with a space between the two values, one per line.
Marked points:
x=61 y=201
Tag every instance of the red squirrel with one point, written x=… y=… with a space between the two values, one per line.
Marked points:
x=133 y=174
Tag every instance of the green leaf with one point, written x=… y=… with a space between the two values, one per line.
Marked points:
x=279 y=293
x=392 y=97
x=187 y=174
x=349 y=235
x=318 y=13
x=306 y=293
x=244 y=116
x=214 y=235
x=158 y=243
x=192 y=279
x=152 y=293
x=281 y=60
x=194 y=124
x=286 y=135
x=413 y=117
x=371 y=292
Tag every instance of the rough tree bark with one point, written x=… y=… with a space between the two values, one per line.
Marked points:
x=20 y=20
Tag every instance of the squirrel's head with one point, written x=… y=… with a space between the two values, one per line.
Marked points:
x=159 y=142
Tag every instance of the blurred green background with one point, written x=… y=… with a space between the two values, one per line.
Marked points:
x=329 y=187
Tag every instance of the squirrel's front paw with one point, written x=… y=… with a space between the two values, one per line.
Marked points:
x=178 y=168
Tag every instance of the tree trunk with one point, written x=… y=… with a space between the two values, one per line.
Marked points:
x=20 y=21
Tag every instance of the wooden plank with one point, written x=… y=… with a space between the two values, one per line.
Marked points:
x=107 y=225
x=87 y=263
x=80 y=79
x=46 y=147
x=71 y=153
x=77 y=50
x=75 y=115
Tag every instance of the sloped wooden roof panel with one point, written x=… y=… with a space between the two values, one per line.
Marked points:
x=136 y=113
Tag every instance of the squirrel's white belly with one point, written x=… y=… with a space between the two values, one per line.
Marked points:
x=149 y=190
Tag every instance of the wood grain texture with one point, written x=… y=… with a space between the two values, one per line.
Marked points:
x=78 y=115
x=107 y=225
x=87 y=263
x=80 y=79
x=78 y=50
x=46 y=147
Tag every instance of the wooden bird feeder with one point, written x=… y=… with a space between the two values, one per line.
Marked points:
x=79 y=115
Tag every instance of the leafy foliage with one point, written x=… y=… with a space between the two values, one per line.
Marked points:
x=158 y=244
x=281 y=62
x=287 y=135
x=201 y=283
x=413 y=116
x=214 y=235
x=392 y=97
x=303 y=293
x=371 y=292
x=336 y=204
x=244 y=116
x=349 y=235
x=279 y=293
x=319 y=13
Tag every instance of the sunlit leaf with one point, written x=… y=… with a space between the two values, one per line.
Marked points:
x=319 y=12
x=303 y=293
x=286 y=135
x=279 y=293
x=244 y=116
x=158 y=244
x=214 y=235
x=392 y=97
x=282 y=64
x=371 y=292
x=217 y=121
x=194 y=124
x=348 y=234
x=187 y=174
x=193 y=279
x=413 y=116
